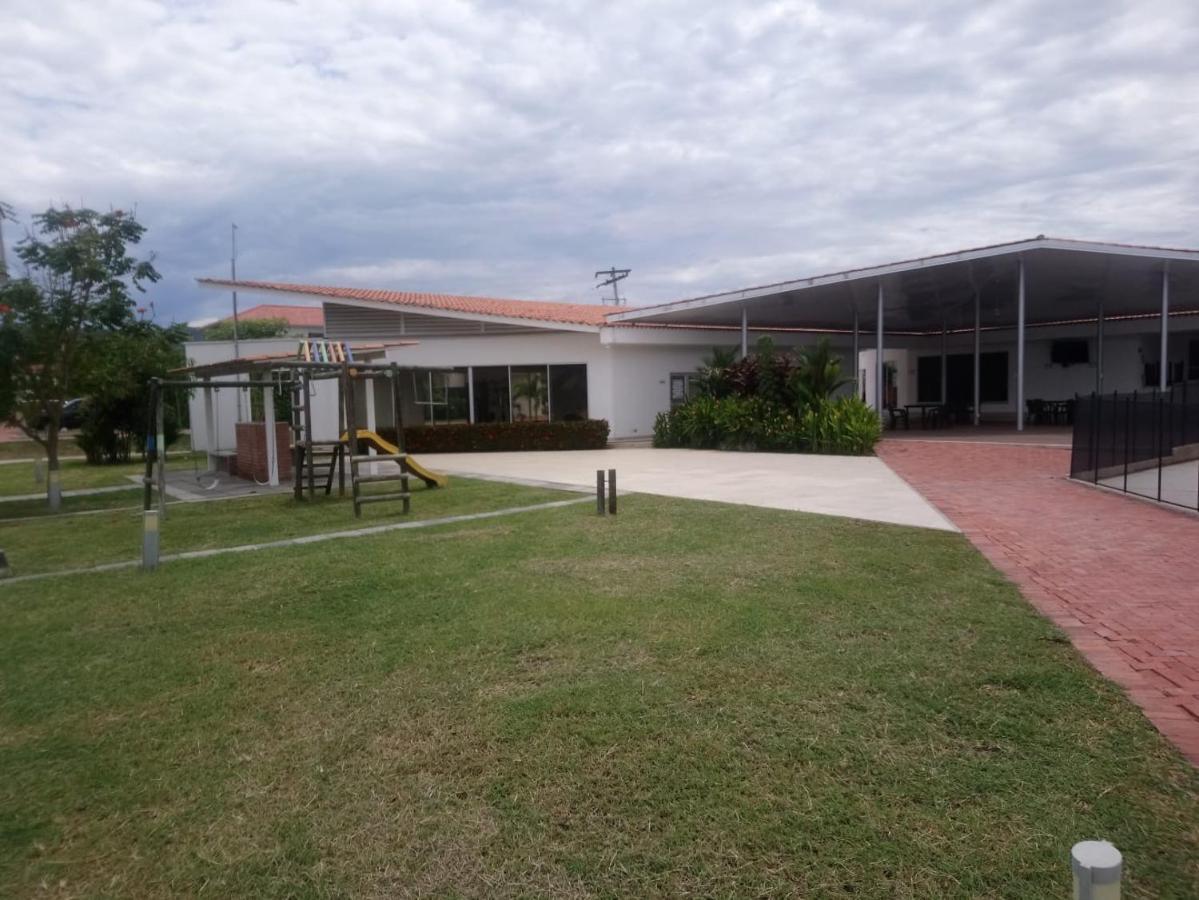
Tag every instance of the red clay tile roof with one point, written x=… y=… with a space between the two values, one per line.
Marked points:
x=534 y=310
x=296 y=316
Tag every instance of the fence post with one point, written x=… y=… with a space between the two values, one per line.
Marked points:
x=600 y=506
x=1097 y=411
x=612 y=491
x=1097 y=867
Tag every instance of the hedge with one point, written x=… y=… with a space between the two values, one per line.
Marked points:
x=591 y=434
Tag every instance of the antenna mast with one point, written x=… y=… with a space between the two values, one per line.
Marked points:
x=233 y=275
x=613 y=275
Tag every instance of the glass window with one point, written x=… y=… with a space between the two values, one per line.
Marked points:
x=530 y=394
x=568 y=393
x=457 y=396
x=491 y=394
x=682 y=387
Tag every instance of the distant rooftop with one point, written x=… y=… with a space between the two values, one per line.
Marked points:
x=295 y=316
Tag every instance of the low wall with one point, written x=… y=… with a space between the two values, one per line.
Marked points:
x=251 y=450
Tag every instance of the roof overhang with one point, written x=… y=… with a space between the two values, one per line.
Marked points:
x=1065 y=280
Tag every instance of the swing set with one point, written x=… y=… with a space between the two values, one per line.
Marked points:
x=315 y=463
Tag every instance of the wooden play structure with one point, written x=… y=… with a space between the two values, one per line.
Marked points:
x=315 y=463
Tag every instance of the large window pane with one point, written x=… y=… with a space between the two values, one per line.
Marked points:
x=568 y=393
x=491 y=394
x=457 y=396
x=530 y=394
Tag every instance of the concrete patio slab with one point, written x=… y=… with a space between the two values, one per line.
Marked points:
x=857 y=487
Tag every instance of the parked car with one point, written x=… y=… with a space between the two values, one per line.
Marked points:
x=72 y=414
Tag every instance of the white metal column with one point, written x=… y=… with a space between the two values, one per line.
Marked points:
x=878 y=361
x=944 y=367
x=977 y=354
x=368 y=385
x=1020 y=350
x=212 y=444
x=470 y=394
x=744 y=332
x=857 y=363
x=1165 y=352
x=272 y=451
x=1099 y=350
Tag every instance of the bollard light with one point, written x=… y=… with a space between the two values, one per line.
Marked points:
x=1097 y=867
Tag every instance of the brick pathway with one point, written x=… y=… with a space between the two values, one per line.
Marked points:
x=1119 y=575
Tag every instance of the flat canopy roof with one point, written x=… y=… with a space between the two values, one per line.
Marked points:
x=1065 y=280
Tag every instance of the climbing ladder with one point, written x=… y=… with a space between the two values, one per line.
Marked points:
x=313 y=461
x=357 y=459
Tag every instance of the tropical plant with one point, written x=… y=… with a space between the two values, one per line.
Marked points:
x=817 y=375
x=713 y=379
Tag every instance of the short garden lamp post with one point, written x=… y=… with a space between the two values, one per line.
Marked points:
x=1097 y=867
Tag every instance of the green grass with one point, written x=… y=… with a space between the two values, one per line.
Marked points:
x=26 y=449
x=18 y=478
x=42 y=544
x=687 y=699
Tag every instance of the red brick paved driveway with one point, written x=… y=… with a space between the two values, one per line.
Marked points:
x=1119 y=575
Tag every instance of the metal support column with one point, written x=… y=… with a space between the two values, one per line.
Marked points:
x=1099 y=350
x=1020 y=349
x=944 y=367
x=470 y=394
x=212 y=445
x=977 y=354
x=857 y=365
x=878 y=359
x=1165 y=350
x=744 y=332
x=272 y=451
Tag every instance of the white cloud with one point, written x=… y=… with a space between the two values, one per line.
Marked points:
x=513 y=149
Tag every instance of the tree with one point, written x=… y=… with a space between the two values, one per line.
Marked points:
x=76 y=287
x=120 y=365
x=247 y=329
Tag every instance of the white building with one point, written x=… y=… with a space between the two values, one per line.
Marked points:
x=989 y=332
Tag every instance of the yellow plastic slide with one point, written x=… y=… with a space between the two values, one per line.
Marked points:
x=410 y=465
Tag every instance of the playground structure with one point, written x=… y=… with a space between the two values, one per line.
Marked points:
x=314 y=462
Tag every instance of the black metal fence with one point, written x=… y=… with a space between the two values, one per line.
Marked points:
x=1144 y=442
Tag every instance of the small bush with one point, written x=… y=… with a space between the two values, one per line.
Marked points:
x=845 y=425
x=591 y=434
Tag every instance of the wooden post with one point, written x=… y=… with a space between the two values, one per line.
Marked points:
x=352 y=435
x=308 y=436
x=297 y=440
x=600 y=508
x=612 y=491
x=396 y=410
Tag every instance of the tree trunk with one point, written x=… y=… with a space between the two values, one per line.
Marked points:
x=53 y=484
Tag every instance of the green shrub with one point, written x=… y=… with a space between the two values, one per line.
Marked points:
x=591 y=434
x=845 y=425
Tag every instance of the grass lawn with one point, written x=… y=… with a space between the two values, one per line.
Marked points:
x=18 y=478
x=40 y=544
x=26 y=449
x=688 y=699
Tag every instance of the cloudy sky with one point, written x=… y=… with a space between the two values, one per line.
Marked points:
x=513 y=148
